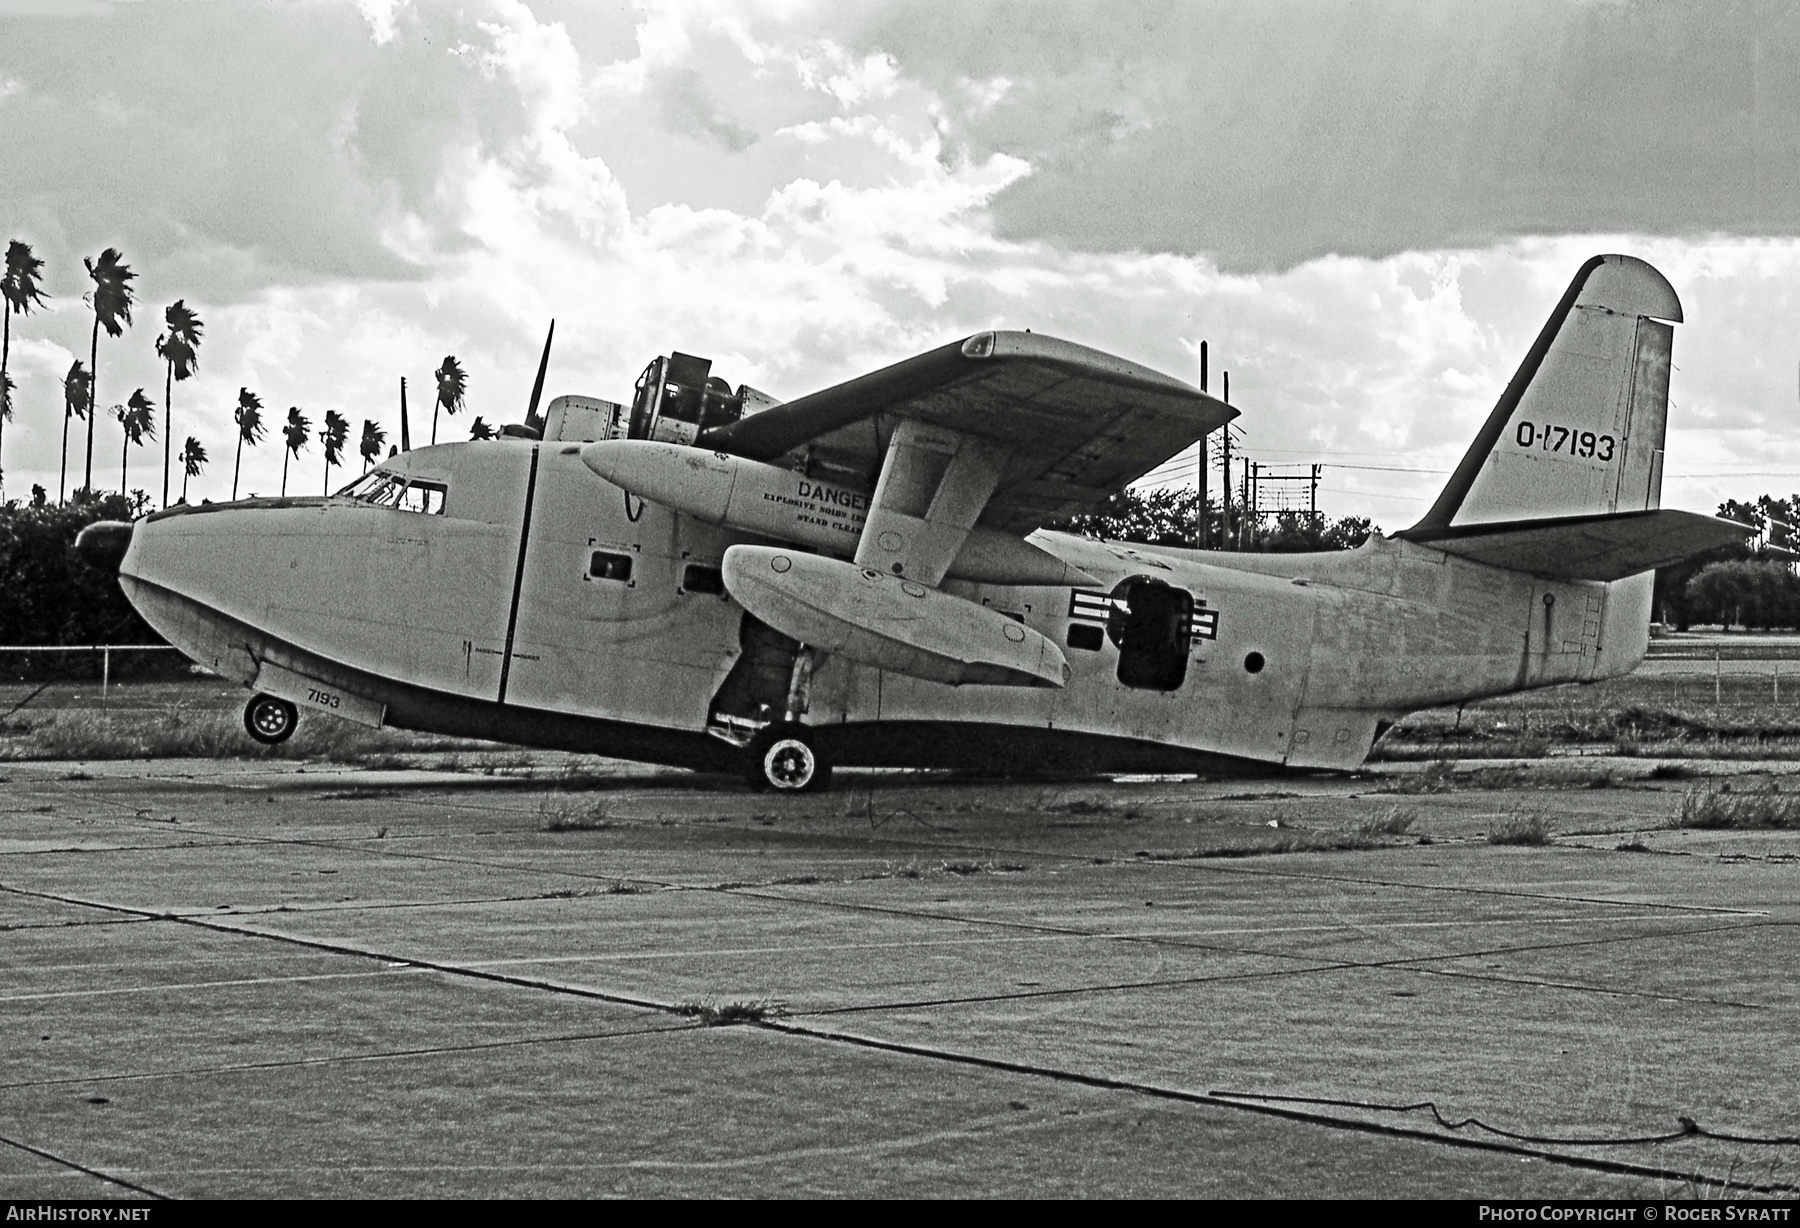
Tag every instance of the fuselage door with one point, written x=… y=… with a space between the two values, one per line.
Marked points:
x=1151 y=624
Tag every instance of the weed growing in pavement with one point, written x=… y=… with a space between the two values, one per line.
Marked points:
x=565 y=814
x=960 y=869
x=1520 y=829
x=728 y=1013
x=1721 y=809
x=1433 y=778
x=1290 y=841
x=1394 y=823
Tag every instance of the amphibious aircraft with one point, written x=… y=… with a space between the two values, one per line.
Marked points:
x=711 y=578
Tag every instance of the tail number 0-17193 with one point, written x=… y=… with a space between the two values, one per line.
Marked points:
x=1550 y=437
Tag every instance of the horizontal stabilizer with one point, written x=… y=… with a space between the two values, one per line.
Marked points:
x=1598 y=547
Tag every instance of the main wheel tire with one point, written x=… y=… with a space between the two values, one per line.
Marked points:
x=270 y=720
x=784 y=759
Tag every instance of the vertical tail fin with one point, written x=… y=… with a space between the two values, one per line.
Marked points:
x=1579 y=430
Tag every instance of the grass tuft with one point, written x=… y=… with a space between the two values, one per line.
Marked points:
x=1394 y=823
x=1436 y=777
x=1722 y=810
x=1529 y=829
x=1291 y=841
x=179 y=733
x=565 y=814
x=727 y=1014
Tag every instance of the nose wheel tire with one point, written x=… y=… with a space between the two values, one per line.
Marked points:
x=270 y=720
x=783 y=759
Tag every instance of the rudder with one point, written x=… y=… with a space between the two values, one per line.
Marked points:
x=1579 y=429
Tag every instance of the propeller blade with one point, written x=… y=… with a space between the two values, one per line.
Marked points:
x=537 y=389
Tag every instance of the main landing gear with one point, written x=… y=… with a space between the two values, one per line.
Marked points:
x=270 y=720
x=783 y=758
x=782 y=755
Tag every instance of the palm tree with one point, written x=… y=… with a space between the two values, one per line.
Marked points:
x=479 y=429
x=7 y=388
x=111 y=299
x=452 y=383
x=180 y=349
x=138 y=419
x=250 y=430
x=193 y=459
x=373 y=440
x=295 y=433
x=19 y=289
x=78 y=386
x=332 y=437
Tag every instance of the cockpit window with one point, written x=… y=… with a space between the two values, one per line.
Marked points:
x=381 y=488
x=378 y=487
x=427 y=497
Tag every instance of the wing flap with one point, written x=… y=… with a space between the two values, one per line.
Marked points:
x=1597 y=547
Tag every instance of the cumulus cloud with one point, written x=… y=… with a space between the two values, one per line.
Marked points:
x=347 y=199
x=1263 y=133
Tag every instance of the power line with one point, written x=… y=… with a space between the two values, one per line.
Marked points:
x=1373 y=494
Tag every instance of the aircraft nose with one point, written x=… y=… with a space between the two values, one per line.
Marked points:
x=103 y=544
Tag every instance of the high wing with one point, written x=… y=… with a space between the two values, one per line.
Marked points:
x=1058 y=426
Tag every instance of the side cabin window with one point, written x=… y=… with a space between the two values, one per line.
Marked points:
x=1151 y=623
x=699 y=578
x=1086 y=636
x=606 y=565
x=381 y=488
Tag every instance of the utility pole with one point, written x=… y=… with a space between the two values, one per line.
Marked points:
x=1201 y=474
x=1249 y=521
x=1313 y=503
x=1225 y=468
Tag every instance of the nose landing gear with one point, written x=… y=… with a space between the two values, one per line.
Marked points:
x=270 y=720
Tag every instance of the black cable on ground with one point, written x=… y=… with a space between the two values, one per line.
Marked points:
x=82 y=1168
x=1294 y=1113
x=1689 y=1127
x=786 y=1027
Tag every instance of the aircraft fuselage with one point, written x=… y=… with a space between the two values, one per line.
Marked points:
x=532 y=601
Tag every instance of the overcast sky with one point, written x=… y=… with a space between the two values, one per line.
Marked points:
x=1366 y=208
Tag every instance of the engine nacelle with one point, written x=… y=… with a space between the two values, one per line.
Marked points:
x=769 y=501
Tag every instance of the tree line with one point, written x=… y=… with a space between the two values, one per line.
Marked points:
x=1750 y=585
x=1171 y=516
x=113 y=301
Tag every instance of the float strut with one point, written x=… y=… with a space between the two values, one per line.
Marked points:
x=799 y=697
